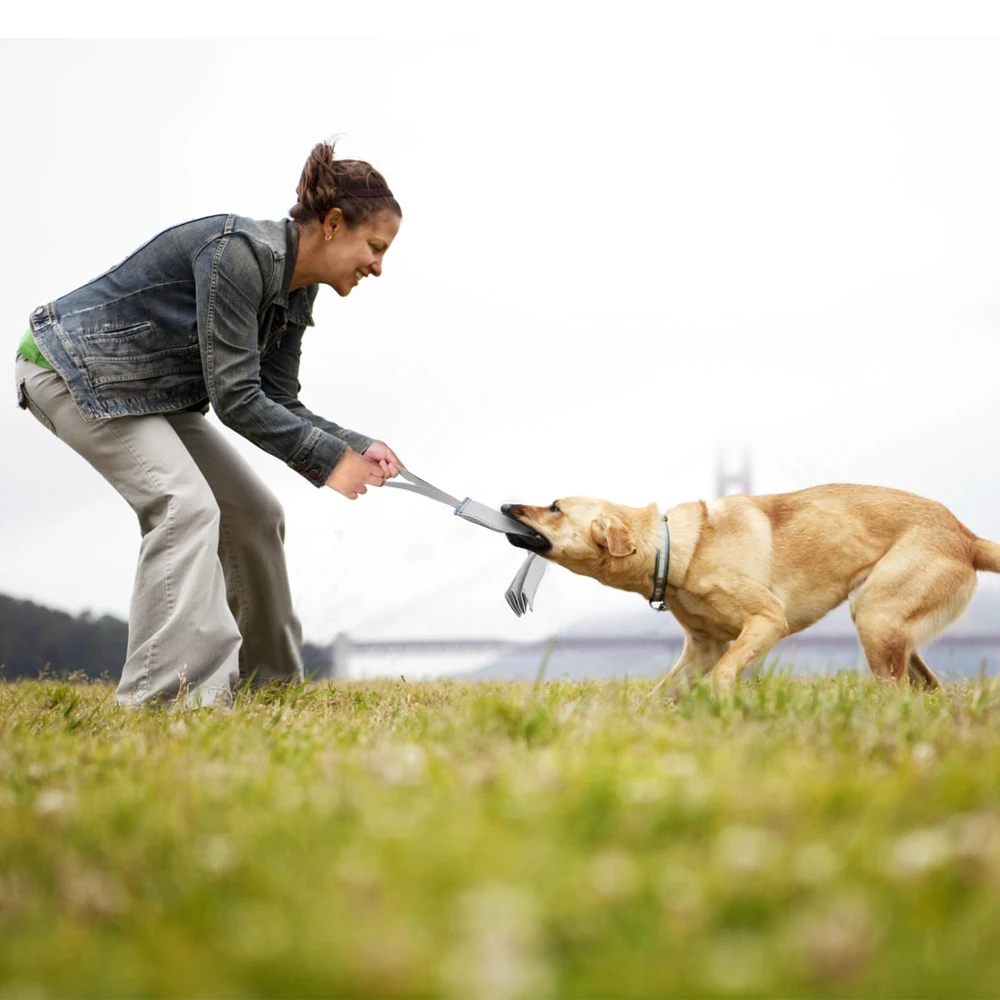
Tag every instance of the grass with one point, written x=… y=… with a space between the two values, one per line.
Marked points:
x=815 y=838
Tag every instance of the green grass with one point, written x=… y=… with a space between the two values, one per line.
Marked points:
x=815 y=838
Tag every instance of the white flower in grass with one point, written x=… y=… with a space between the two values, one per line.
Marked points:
x=400 y=764
x=747 y=849
x=218 y=855
x=614 y=875
x=54 y=802
x=497 y=949
x=835 y=941
x=919 y=852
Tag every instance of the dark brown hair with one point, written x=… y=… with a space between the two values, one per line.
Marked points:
x=345 y=184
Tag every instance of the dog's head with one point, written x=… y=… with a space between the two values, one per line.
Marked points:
x=595 y=538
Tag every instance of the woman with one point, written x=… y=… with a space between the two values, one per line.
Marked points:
x=212 y=312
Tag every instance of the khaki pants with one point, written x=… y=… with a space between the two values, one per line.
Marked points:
x=211 y=604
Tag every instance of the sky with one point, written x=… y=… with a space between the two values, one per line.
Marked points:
x=619 y=257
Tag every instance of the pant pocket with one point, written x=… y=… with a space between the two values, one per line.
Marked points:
x=26 y=403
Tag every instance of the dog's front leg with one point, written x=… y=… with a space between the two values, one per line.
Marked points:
x=697 y=658
x=760 y=633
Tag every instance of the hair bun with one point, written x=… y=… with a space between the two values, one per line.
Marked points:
x=353 y=186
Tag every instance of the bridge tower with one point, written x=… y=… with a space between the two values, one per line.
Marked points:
x=735 y=479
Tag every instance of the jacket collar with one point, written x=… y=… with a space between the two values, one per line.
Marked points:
x=298 y=304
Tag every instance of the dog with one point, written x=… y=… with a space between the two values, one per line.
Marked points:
x=745 y=571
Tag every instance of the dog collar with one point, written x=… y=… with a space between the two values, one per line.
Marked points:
x=660 y=571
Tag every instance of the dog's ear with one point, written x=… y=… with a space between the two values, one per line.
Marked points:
x=612 y=534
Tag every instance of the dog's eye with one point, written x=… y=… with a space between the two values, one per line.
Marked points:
x=554 y=508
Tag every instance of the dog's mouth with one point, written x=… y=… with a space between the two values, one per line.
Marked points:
x=535 y=542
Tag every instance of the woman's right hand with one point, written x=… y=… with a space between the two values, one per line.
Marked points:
x=354 y=474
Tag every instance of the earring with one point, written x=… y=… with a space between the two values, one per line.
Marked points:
x=329 y=237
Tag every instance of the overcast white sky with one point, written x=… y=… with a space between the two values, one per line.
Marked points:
x=616 y=257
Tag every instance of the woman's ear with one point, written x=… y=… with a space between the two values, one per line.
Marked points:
x=333 y=221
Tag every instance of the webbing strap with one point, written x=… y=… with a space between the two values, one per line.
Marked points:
x=468 y=510
x=521 y=592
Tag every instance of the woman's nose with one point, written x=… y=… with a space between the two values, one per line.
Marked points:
x=376 y=268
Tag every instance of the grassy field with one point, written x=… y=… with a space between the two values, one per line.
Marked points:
x=816 y=838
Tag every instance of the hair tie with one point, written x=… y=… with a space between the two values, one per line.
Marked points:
x=381 y=192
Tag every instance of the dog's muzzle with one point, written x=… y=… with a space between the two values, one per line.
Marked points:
x=535 y=542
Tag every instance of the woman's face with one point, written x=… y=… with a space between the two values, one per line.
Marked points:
x=349 y=255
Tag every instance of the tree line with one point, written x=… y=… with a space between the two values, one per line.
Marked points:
x=36 y=640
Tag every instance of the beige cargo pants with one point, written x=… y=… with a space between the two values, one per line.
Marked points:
x=211 y=605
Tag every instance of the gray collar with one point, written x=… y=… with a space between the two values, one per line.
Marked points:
x=660 y=571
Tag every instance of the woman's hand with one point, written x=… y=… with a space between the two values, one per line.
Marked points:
x=379 y=451
x=354 y=474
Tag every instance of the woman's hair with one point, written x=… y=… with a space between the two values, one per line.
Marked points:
x=353 y=186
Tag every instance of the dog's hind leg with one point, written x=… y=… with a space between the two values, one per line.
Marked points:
x=891 y=656
x=907 y=599
x=922 y=674
x=886 y=645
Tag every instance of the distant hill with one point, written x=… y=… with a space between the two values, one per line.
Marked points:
x=36 y=639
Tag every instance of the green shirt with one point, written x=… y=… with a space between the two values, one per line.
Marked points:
x=30 y=350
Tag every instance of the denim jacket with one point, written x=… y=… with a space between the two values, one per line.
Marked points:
x=200 y=314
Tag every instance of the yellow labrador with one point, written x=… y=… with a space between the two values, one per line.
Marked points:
x=745 y=571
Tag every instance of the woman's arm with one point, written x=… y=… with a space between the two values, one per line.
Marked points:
x=229 y=289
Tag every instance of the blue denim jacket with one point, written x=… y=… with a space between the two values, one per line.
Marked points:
x=200 y=314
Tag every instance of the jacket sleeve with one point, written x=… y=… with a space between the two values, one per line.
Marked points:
x=229 y=288
x=279 y=376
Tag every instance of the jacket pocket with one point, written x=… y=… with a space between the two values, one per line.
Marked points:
x=176 y=361
x=136 y=339
x=118 y=333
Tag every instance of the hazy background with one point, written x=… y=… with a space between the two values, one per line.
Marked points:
x=616 y=258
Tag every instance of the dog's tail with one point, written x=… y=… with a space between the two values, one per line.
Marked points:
x=986 y=556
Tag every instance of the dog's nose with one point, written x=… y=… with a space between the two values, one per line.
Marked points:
x=506 y=508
